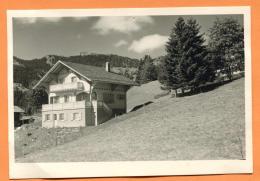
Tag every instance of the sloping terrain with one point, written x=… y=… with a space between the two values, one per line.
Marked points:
x=139 y=95
x=200 y=127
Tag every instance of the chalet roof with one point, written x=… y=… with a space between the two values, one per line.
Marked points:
x=91 y=73
x=18 y=109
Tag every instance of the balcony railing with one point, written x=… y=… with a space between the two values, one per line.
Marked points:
x=67 y=87
x=74 y=105
x=65 y=106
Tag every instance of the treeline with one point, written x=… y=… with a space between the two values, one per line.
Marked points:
x=192 y=61
x=101 y=59
x=30 y=100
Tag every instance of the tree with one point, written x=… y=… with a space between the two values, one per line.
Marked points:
x=226 y=45
x=129 y=74
x=140 y=70
x=150 y=72
x=187 y=62
x=162 y=72
x=18 y=97
x=146 y=70
x=39 y=97
x=30 y=100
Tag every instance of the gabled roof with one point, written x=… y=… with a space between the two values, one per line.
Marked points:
x=91 y=73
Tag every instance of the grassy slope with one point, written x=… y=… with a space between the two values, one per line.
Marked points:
x=204 y=126
x=141 y=94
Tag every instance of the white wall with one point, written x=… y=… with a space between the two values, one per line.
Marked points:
x=100 y=88
x=64 y=77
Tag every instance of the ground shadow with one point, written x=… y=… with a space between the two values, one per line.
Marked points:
x=140 y=106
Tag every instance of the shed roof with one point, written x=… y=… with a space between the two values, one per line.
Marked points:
x=27 y=117
x=18 y=109
x=91 y=73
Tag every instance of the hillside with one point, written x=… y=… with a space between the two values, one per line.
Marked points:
x=142 y=94
x=207 y=126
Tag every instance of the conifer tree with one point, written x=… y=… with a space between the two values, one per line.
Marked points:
x=187 y=63
x=147 y=70
x=140 y=70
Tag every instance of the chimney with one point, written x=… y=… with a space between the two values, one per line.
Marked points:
x=107 y=66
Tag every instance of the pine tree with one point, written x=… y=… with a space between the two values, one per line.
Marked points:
x=139 y=76
x=147 y=70
x=150 y=72
x=162 y=72
x=173 y=48
x=195 y=63
x=187 y=63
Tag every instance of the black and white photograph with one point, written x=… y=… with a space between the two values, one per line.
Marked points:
x=129 y=92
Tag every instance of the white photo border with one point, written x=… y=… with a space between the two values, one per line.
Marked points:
x=132 y=168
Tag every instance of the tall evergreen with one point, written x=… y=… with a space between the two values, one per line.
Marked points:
x=187 y=63
x=173 y=56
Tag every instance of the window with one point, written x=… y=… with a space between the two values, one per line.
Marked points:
x=60 y=80
x=108 y=98
x=82 y=96
x=61 y=116
x=56 y=99
x=51 y=100
x=75 y=116
x=121 y=97
x=94 y=95
x=54 y=116
x=66 y=98
x=47 y=117
x=74 y=79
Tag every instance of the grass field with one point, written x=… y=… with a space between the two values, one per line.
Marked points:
x=200 y=127
x=142 y=94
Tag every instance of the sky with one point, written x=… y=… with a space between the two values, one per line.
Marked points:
x=122 y=35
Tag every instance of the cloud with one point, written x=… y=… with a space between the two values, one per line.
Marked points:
x=26 y=20
x=148 y=43
x=121 y=43
x=32 y=20
x=122 y=24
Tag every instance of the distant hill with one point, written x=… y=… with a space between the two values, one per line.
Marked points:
x=28 y=72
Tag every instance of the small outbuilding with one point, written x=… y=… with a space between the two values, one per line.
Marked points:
x=18 y=113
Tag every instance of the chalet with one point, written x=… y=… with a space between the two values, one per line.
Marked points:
x=82 y=95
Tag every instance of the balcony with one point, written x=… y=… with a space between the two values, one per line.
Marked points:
x=65 y=106
x=75 y=105
x=74 y=86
